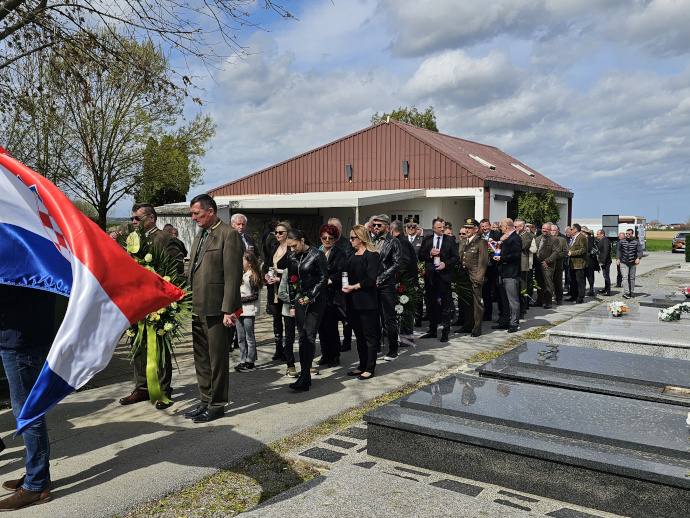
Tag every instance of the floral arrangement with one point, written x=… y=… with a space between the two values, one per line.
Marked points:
x=408 y=298
x=159 y=330
x=462 y=286
x=618 y=308
x=686 y=292
x=673 y=313
x=297 y=286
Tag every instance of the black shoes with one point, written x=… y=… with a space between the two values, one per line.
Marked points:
x=302 y=384
x=362 y=377
x=462 y=331
x=323 y=361
x=195 y=413
x=499 y=326
x=444 y=336
x=513 y=329
x=207 y=416
x=475 y=335
x=345 y=347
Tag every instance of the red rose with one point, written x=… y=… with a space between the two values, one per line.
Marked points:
x=397 y=277
x=294 y=278
x=401 y=288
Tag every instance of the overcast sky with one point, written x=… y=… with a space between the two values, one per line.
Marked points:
x=594 y=94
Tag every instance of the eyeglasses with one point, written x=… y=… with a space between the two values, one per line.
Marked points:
x=411 y=226
x=327 y=238
x=280 y=232
x=352 y=238
x=463 y=234
x=139 y=218
x=375 y=225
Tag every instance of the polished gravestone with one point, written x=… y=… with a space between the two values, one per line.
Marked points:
x=638 y=331
x=663 y=301
x=616 y=454
x=650 y=378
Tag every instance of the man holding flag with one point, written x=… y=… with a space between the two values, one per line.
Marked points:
x=49 y=246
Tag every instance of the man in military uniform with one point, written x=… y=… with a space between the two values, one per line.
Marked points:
x=548 y=252
x=144 y=214
x=474 y=257
x=559 y=266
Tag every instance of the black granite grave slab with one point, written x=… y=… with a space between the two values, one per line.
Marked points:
x=615 y=454
x=663 y=301
x=650 y=378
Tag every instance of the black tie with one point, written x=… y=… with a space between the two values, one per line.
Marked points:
x=438 y=242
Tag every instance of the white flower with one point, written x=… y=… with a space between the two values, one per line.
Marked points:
x=148 y=258
x=160 y=332
x=168 y=326
x=404 y=299
x=455 y=296
x=398 y=309
x=173 y=305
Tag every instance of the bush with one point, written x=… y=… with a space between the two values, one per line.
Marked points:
x=687 y=250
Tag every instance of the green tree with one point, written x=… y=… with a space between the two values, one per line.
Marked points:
x=98 y=117
x=171 y=165
x=425 y=119
x=537 y=208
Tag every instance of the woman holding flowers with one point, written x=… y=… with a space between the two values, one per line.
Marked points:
x=308 y=271
x=329 y=337
x=362 y=303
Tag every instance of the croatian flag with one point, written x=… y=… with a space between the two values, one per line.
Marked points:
x=48 y=244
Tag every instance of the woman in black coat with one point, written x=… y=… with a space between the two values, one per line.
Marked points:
x=328 y=330
x=362 y=302
x=307 y=281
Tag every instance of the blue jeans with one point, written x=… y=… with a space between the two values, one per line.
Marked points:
x=22 y=367
x=605 y=269
x=247 y=342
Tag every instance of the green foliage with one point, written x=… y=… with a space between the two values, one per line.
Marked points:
x=87 y=209
x=425 y=119
x=537 y=208
x=687 y=250
x=171 y=165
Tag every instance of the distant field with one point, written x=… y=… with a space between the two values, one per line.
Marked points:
x=661 y=234
x=658 y=245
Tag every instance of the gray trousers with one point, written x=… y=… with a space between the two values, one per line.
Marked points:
x=628 y=273
x=247 y=342
x=512 y=290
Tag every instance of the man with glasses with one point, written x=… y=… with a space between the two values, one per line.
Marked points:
x=628 y=254
x=411 y=225
x=439 y=254
x=390 y=262
x=144 y=215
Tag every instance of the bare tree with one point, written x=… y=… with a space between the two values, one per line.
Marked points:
x=204 y=30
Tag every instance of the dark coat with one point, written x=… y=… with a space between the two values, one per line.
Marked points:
x=604 y=251
x=311 y=268
x=449 y=255
x=19 y=308
x=170 y=245
x=511 y=257
x=390 y=261
x=345 y=246
x=336 y=264
x=409 y=258
x=365 y=274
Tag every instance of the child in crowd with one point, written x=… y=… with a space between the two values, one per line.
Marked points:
x=252 y=282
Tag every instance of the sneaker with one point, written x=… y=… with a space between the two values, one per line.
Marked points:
x=391 y=356
x=291 y=372
x=240 y=366
x=626 y=296
x=248 y=367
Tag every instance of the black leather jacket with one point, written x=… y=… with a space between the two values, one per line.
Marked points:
x=390 y=261
x=311 y=268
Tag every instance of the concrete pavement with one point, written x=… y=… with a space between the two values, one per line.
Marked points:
x=106 y=458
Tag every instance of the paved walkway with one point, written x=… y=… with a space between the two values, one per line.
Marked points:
x=106 y=458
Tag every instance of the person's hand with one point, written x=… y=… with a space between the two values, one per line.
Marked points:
x=330 y=282
x=348 y=289
x=504 y=237
x=569 y=252
x=618 y=262
x=637 y=261
x=267 y=278
x=497 y=258
x=544 y=265
x=435 y=251
x=441 y=266
x=229 y=319
x=292 y=312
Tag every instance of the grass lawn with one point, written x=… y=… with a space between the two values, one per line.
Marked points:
x=659 y=245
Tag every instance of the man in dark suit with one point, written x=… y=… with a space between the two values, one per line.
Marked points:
x=411 y=225
x=239 y=223
x=144 y=214
x=490 y=289
x=509 y=262
x=439 y=254
x=215 y=276
x=409 y=264
x=604 y=258
x=345 y=245
x=559 y=267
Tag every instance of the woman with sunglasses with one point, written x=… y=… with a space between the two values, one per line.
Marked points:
x=307 y=284
x=329 y=337
x=362 y=303
x=278 y=260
